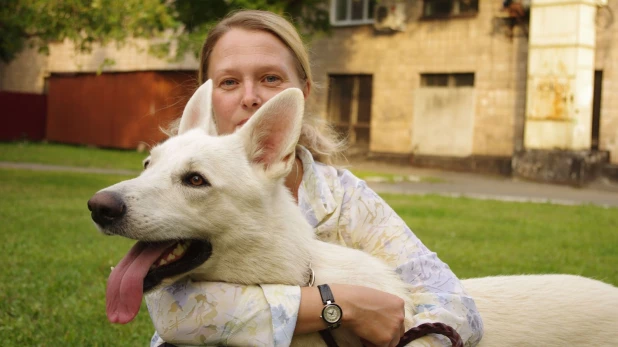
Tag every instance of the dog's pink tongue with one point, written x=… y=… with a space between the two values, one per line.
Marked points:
x=125 y=283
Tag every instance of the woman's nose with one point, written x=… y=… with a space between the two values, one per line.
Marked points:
x=251 y=99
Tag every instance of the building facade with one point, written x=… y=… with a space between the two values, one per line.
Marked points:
x=447 y=82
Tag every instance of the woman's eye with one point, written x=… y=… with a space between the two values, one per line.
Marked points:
x=228 y=83
x=195 y=180
x=272 y=79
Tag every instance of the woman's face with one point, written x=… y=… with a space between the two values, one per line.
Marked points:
x=247 y=69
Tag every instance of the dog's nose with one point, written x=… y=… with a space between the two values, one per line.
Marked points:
x=106 y=207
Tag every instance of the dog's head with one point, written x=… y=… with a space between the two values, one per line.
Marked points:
x=194 y=188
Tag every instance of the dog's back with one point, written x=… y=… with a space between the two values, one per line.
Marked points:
x=545 y=310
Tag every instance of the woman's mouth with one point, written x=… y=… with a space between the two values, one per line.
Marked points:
x=241 y=123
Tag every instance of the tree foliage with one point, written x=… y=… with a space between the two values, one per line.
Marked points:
x=86 y=22
x=197 y=17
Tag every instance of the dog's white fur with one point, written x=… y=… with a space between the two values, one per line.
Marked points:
x=546 y=310
x=260 y=236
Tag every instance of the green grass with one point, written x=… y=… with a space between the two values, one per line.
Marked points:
x=484 y=237
x=68 y=155
x=391 y=178
x=55 y=264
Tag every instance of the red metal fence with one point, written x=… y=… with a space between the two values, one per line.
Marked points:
x=23 y=116
x=115 y=110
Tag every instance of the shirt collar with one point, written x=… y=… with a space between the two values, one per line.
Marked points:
x=315 y=195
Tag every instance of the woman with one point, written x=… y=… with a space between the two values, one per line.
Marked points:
x=251 y=56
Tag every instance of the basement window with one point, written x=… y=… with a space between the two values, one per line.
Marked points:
x=447 y=80
x=449 y=8
x=349 y=107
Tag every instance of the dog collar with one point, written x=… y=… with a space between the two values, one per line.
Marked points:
x=311 y=277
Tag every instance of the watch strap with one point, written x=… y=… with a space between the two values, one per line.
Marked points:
x=328 y=338
x=326 y=294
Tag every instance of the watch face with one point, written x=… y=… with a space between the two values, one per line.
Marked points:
x=331 y=313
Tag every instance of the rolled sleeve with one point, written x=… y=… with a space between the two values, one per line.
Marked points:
x=214 y=313
x=284 y=302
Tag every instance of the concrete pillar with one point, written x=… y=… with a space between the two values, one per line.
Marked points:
x=558 y=124
x=560 y=74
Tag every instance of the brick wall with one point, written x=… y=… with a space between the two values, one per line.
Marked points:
x=396 y=61
x=483 y=45
x=132 y=56
x=27 y=73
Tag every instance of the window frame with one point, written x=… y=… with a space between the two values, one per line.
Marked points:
x=450 y=14
x=353 y=126
x=452 y=80
x=348 y=21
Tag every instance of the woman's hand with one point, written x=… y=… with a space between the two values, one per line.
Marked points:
x=374 y=316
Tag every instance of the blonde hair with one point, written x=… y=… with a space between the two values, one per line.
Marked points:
x=316 y=135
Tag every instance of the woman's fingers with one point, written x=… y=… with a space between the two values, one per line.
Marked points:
x=376 y=317
x=367 y=343
x=398 y=335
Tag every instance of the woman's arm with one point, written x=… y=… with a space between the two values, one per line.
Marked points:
x=366 y=222
x=198 y=313
x=212 y=313
x=375 y=316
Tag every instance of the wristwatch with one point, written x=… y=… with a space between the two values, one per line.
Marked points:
x=331 y=313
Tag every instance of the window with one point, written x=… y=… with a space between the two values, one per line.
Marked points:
x=447 y=80
x=349 y=106
x=596 y=109
x=444 y=115
x=449 y=8
x=351 y=12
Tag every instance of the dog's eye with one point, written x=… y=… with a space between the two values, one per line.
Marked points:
x=195 y=180
x=146 y=163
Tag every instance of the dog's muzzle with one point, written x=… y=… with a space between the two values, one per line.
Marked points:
x=106 y=208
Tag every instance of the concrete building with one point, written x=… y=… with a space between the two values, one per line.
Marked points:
x=471 y=85
x=459 y=84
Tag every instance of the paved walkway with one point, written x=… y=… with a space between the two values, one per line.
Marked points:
x=46 y=167
x=427 y=181
x=603 y=192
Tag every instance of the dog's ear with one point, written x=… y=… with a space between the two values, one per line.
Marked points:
x=198 y=112
x=271 y=134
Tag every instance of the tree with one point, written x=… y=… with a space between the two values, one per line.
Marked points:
x=86 y=22
x=311 y=17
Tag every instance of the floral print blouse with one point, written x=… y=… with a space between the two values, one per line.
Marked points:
x=342 y=210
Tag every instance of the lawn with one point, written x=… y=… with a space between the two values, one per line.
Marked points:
x=373 y=176
x=69 y=155
x=55 y=263
x=485 y=237
x=81 y=156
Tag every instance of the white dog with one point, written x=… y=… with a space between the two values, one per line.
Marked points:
x=228 y=192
